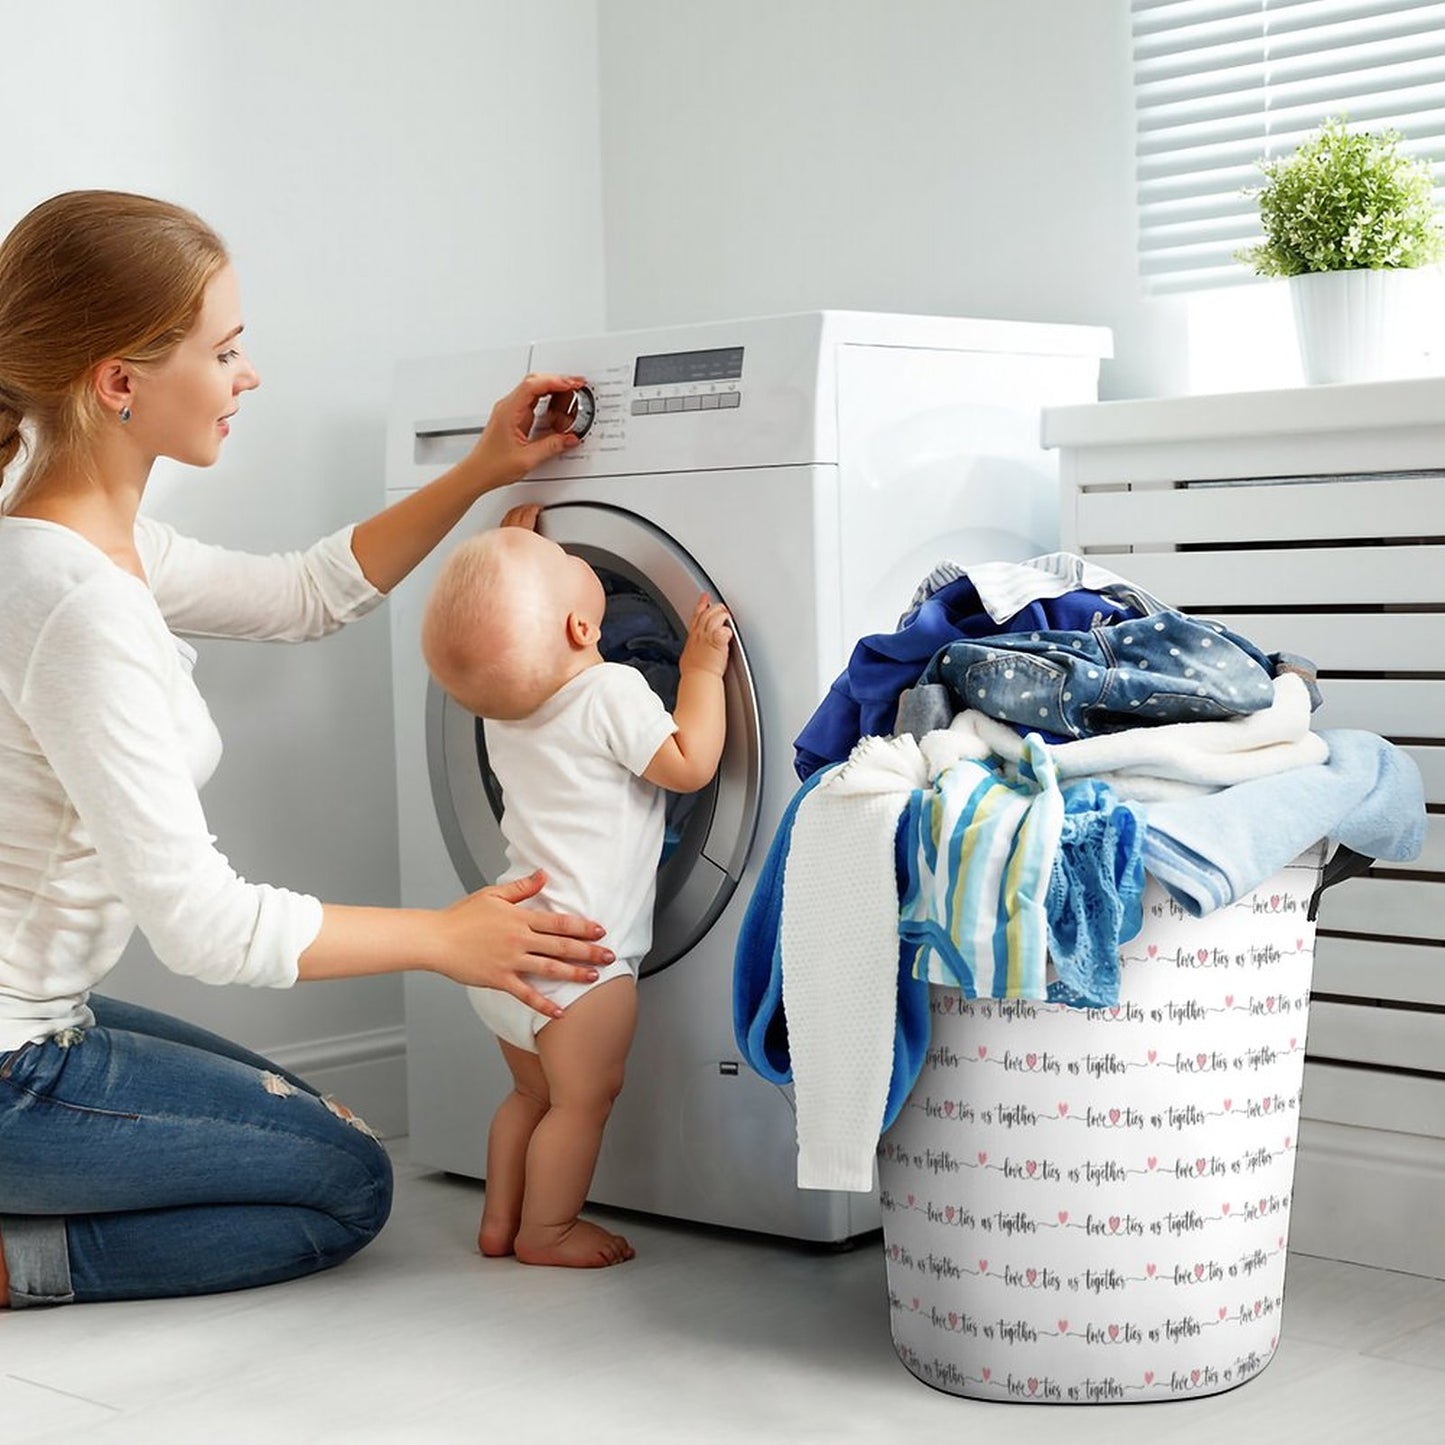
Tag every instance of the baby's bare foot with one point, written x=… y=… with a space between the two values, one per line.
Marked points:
x=578 y=1245
x=496 y=1236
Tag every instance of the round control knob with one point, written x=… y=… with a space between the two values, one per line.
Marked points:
x=572 y=411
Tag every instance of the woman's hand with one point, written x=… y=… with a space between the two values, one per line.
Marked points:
x=506 y=451
x=489 y=942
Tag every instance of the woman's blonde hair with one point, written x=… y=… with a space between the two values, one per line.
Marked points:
x=85 y=276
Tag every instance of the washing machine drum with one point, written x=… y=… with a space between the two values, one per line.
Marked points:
x=651 y=585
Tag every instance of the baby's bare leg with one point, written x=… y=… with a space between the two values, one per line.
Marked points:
x=582 y=1055
x=511 y=1132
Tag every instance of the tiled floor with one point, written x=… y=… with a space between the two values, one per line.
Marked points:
x=704 y=1338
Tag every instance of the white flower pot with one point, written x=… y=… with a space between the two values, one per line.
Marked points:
x=1351 y=325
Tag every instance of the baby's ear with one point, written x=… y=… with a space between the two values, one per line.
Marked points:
x=581 y=631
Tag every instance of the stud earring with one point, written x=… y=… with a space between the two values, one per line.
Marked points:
x=124 y=414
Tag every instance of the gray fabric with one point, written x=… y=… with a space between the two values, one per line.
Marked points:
x=37 y=1258
x=924 y=709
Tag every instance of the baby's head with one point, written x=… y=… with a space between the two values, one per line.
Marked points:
x=511 y=617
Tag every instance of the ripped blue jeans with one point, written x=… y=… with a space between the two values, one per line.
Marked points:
x=145 y=1157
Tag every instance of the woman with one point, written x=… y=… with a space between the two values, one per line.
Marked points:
x=139 y=1156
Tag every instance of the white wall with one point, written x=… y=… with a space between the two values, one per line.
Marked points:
x=970 y=157
x=386 y=179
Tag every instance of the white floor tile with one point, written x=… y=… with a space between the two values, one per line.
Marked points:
x=706 y=1337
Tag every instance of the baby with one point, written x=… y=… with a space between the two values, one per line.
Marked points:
x=582 y=749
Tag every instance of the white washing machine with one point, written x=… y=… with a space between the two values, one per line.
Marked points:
x=809 y=471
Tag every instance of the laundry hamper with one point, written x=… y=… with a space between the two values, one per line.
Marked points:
x=1088 y=1206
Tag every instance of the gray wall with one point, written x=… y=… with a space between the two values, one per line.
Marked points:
x=970 y=157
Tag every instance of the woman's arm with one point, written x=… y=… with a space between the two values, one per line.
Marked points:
x=390 y=544
x=484 y=940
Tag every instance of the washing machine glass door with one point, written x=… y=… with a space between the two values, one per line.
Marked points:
x=651 y=585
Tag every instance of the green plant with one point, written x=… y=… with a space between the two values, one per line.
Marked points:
x=1345 y=202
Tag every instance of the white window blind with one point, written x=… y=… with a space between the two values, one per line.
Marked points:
x=1218 y=84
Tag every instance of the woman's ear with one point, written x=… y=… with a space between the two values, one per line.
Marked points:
x=112 y=383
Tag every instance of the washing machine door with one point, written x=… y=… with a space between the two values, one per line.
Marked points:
x=652 y=585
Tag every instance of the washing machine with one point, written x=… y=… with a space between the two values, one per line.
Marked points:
x=808 y=471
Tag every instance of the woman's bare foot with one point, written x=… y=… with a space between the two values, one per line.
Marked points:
x=578 y=1245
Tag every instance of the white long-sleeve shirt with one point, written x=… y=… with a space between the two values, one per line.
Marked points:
x=104 y=744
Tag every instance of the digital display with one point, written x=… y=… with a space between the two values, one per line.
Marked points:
x=677 y=368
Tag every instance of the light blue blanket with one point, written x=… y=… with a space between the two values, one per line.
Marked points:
x=1211 y=850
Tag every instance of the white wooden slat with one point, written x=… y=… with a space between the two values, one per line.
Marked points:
x=1431 y=762
x=1401 y=1038
x=1392 y=507
x=1286 y=577
x=1336 y=448
x=1370 y=968
x=1350 y=641
x=1397 y=708
x=1394 y=907
x=1372 y=1099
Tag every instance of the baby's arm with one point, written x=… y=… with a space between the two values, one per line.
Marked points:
x=689 y=758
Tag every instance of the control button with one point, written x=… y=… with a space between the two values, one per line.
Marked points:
x=639 y=407
x=571 y=411
x=731 y=398
x=709 y=401
x=655 y=405
x=674 y=403
x=692 y=403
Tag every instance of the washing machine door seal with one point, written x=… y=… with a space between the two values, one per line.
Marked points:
x=696 y=880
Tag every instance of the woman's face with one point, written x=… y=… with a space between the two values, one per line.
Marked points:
x=183 y=406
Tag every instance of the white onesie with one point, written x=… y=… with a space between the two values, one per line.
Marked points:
x=574 y=803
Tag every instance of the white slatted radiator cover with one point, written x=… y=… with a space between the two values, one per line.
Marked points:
x=1313 y=521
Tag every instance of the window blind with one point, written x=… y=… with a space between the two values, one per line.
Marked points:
x=1220 y=84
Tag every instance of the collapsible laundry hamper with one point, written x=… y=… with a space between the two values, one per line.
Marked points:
x=1093 y=1205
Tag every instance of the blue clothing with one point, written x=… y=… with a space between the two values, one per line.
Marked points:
x=1009 y=874
x=981 y=853
x=144 y=1157
x=1368 y=796
x=759 y=1024
x=863 y=700
x=1163 y=668
x=1096 y=892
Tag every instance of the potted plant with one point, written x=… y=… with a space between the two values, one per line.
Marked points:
x=1345 y=217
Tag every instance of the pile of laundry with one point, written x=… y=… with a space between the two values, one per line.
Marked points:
x=984 y=791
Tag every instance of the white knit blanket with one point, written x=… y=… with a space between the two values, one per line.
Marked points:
x=839 y=941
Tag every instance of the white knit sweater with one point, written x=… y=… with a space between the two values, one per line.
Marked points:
x=104 y=742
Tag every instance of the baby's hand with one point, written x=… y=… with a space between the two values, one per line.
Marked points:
x=525 y=514
x=708 y=635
